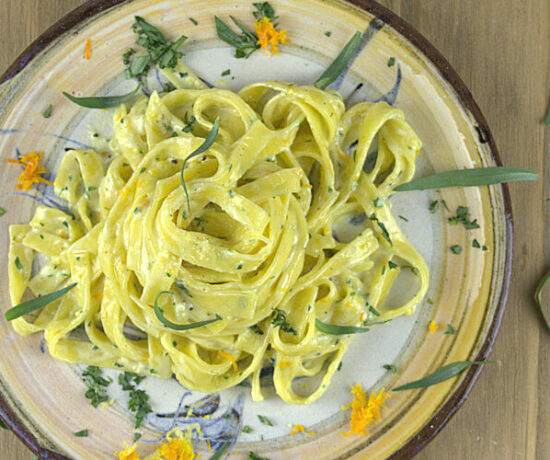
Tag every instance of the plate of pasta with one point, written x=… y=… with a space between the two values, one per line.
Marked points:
x=246 y=230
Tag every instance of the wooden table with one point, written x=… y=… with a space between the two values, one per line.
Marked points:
x=501 y=49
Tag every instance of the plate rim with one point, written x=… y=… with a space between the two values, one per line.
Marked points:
x=94 y=7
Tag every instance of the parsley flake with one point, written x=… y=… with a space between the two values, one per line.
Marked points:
x=456 y=249
x=48 y=112
x=265 y=420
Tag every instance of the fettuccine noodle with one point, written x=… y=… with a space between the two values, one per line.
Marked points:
x=288 y=223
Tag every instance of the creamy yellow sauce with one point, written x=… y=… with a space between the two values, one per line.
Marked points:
x=285 y=227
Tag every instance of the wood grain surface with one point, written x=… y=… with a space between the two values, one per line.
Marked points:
x=501 y=49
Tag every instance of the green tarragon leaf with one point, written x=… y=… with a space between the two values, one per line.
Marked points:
x=444 y=373
x=333 y=329
x=245 y=43
x=36 y=303
x=178 y=327
x=469 y=178
x=340 y=64
x=208 y=142
x=101 y=102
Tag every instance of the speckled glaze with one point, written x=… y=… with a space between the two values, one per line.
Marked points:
x=42 y=399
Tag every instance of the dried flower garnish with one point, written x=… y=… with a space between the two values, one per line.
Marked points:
x=128 y=454
x=88 y=49
x=32 y=172
x=176 y=446
x=363 y=411
x=300 y=429
x=268 y=35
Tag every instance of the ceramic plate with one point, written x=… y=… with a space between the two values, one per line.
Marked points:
x=43 y=399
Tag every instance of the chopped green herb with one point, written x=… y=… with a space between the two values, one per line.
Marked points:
x=391 y=264
x=96 y=385
x=189 y=124
x=82 y=434
x=48 y=112
x=462 y=216
x=265 y=420
x=126 y=56
x=404 y=218
x=128 y=379
x=328 y=33
x=18 y=264
x=3 y=425
x=390 y=367
x=456 y=249
x=391 y=61
x=377 y=202
x=450 y=330
x=253 y=456
x=278 y=319
x=475 y=244
x=247 y=429
x=430 y=301
x=374 y=311
x=383 y=228
x=264 y=10
x=257 y=329
x=339 y=366
x=226 y=72
x=2 y=212
x=194 y=21
x=434 y=205
x=181 y=286
x=137 y=436
x=138 y=400
x=160 y=50
x=484 y=248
